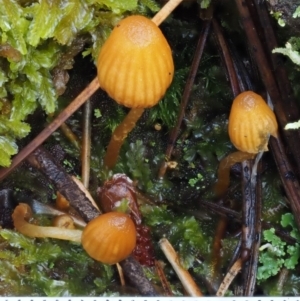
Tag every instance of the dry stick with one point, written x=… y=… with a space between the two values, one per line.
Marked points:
x=86 y=144
x=186 y=95
x=236 y=216
x=70 y=135
x=250 y=281
x=184 y=276
x=233 y=79
x=43 y=161
x=165 y=11
x=268 y=78
x=231 y=274
x=163 y=279
x=49 y=129
x=75 y=104
x=288 y=178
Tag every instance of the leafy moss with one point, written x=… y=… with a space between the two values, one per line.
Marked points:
x=183 y=232
x=275 y=254
x=40 y=32
x=49 y=267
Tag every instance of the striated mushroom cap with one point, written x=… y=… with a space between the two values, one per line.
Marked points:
x=110 y=237
x=251 y=122
x=135 y=65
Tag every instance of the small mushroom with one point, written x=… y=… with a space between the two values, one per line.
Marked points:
x=251 y=122
x=109 y=238
x=135 y=67
x=21 y=216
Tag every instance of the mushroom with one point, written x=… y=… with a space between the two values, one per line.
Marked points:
x=23 y=213
x=76 y=103
x=109 y=238
x=251 y=122
x=135 y=67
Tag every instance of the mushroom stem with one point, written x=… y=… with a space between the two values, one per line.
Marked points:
x=23 y=212
x=224 y=170
x=119 y=134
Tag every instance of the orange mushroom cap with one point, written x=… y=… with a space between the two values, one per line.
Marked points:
x=135 y=65
x=251 y=122
x=110 y=237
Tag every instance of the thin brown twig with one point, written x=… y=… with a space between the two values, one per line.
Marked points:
x=248 y=215
x=288 y=178
x=86 y=144
x=186 y=95
x=231 y=274
x=163 y=279
x=252 y=265
x=233 y=79
x=186 y=279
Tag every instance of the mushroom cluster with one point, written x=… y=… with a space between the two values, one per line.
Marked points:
x=109 y=238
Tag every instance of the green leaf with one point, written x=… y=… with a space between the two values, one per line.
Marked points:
x=270 y=266
x=8 y=147
x=118 y=6
x=151 y=4
x=296 y=14
x=289 y=220
x=16 y=239
x=76 y=16
x=291 y=262
x=47 y=14
x=290 y=52
x=138 y=167
x=16 y=24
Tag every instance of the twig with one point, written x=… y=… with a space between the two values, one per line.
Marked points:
x=227 y=58
x=42 y=160
x=163 y=279
x=253 y=259
x=70 y=135
x=165 y=11
x=86 y=144
x=133 y=271
x=186 y=95
x=287 y=176
x=184 y=276
x=231 y=274
x=248 y=217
